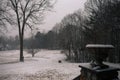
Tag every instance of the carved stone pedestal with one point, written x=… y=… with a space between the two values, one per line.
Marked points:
x=88 y=73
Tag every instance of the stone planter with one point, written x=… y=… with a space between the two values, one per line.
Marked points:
x=96 y=70
x=100 y=53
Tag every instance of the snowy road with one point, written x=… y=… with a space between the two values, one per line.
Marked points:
x=44 y=66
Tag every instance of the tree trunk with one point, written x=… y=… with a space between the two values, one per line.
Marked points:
x=21 y=49
x=69 y=53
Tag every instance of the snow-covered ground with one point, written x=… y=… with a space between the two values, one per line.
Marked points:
x=44 y=66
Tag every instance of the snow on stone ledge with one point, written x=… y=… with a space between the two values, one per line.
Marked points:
x=99 y=46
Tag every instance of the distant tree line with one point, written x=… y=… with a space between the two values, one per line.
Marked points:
x=42 y=41
x=9 y=43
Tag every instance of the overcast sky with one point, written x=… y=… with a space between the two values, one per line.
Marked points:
x=61 y=8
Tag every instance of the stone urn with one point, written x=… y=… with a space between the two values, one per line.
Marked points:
x=100 y=53
x=97 y=70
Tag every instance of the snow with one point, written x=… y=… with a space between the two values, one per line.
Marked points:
x=99 y=46
x=44 y=66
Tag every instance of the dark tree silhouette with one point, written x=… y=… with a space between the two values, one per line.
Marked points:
x=104 y=23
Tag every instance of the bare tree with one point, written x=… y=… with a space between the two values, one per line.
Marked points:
x=72 y=35
x=27 y=13
x=4 y=16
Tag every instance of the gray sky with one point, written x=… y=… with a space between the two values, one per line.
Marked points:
x=61 y=8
